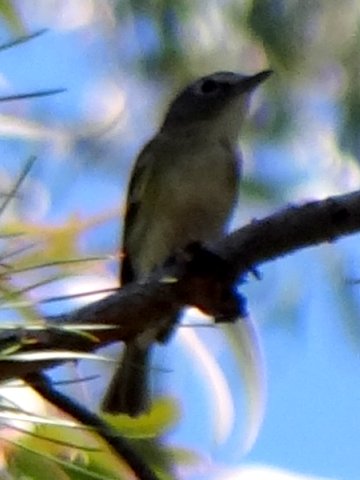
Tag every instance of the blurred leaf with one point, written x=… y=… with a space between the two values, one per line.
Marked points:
x=183 y=457
x=40 y=246
x=30 y=463
x=165 y=18
x=246 y=344
x=345 y=294
x=257 y=190
x=163 y=415
x=15 y=414
x=99 y=462
x=56 y=444
x=279 y=26
x=9 y=13
x=27 y=310
x=49 y=355
x=25 y=464
x=55 y=243
x=349 y=129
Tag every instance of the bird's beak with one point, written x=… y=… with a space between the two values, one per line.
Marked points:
x=249 y=83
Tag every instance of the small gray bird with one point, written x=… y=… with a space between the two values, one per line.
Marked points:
x=183 y=189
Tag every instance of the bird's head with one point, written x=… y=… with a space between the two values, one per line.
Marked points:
x=216 y=103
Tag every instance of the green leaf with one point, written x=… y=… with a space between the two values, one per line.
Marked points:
x=25 y=464
x=163 y=414
x=9 y=13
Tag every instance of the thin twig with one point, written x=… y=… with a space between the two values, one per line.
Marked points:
x=40 y=93
x=27 y=167
x=22 y=39
x=54 y=263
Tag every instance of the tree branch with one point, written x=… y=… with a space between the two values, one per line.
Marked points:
x=187 y=280
x=292 y=229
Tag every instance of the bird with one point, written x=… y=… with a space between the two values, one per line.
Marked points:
x=183 y=189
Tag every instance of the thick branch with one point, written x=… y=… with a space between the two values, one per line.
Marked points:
x=189 y=281
x=292 y=229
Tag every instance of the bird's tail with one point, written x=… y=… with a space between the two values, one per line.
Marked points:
x=129 y=390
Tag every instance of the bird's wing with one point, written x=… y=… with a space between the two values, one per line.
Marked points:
x=137 y=186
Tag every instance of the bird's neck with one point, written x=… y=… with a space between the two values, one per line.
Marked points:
x=204 y=131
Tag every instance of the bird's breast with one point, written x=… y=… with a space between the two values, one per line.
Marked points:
x=194 y=197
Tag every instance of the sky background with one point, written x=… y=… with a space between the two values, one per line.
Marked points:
x=121 y=62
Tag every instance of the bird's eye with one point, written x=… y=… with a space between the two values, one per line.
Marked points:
x=209 y=86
